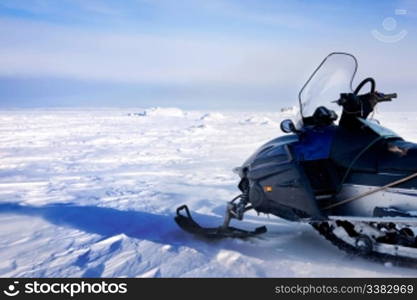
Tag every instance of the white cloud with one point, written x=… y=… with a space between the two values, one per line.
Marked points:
x=36 y=49
x=40 y=49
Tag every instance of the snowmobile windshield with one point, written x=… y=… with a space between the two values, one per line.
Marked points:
x=332 y=77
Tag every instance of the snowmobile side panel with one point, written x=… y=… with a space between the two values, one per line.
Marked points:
x=398 y=198
x=380 y=179
x=289 y=194
x=292 y=189
x=323 y=176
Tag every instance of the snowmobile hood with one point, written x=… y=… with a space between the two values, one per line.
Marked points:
x=272 y=149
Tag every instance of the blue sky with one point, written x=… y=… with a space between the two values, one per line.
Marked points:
x=194 y=54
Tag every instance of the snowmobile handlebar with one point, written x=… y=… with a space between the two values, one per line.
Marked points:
x=386 y=97
x=362 y=105
x=349 y=99
x=370 y=99
x=369 y=80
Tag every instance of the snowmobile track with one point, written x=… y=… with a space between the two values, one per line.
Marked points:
x=325 y=230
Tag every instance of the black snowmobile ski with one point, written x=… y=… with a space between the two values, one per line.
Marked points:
x=187 y=223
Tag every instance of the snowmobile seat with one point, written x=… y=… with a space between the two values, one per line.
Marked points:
x=398 y=155
x=347 y=145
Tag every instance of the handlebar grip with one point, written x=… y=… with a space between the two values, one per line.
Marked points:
x=387 y=97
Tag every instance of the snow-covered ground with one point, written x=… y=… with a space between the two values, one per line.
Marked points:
x=93 y=193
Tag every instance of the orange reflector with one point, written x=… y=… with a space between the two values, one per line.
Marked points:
x=268 y=188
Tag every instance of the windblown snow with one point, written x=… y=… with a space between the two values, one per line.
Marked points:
x=87 y=193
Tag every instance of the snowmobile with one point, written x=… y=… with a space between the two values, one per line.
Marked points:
x=351 y=179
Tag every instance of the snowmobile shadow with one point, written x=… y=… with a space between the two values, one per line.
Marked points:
x=137 y=224
x=109 y=221
x=282 y=241
x=101 y=220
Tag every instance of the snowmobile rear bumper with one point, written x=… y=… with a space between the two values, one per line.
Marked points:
x=187 y=223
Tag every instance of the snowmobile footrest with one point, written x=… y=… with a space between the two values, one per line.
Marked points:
x=187 y=223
